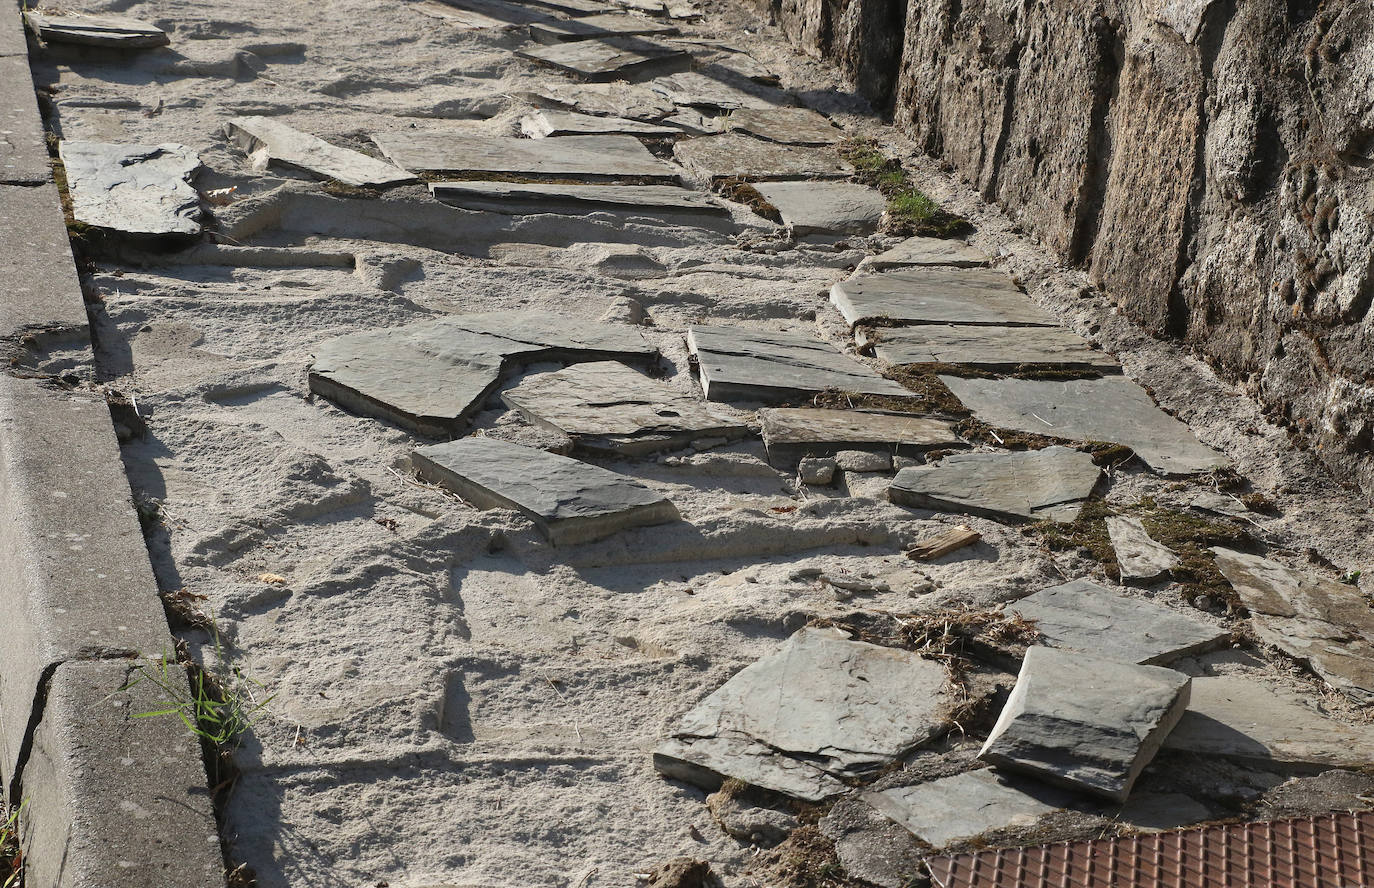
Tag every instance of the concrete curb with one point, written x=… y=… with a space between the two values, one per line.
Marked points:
x=110 y=800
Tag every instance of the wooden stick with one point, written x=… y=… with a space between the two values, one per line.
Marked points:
x=943 y=543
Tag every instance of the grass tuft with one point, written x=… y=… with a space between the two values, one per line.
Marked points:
x=11 y=855
x=910 y=211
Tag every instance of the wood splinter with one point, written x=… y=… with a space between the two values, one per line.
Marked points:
x=943 y=543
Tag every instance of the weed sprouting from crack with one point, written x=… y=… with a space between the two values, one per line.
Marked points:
x=910 y=211
x=11 y=855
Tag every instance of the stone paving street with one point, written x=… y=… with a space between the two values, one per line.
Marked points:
x=589 y=467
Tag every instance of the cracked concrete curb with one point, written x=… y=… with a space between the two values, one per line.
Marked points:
x=110 y=800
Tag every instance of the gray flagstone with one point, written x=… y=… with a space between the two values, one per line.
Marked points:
x=1034 y=484
x=825 y=207
x=616 y=58
x=525 y=199
x=984 y=347
x=95 y=30
x=593 y=158
x=917 y=252
x=545 y=123
x=135 y=189
x=266 y=140
x=938 y=296
x=731 y=156
x=793 y=433
x=554 y=31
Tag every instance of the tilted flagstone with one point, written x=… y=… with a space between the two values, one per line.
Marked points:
x=616 y=58
x=1085 y=722
x=266 y=141
x=1139 y=557
x=984 y=347
x=431 y=377
x=738 y=364
x=545 y=124
x=695 y=89
x=1324 y=622
x=614 y=99
x=1032 y=485
x=525 y=199
x=1112 y=408
x=608 y=407
x=923 y=251
x=965 y=806
x=568 y=500
x=1084 y=616
x=731 y=156
x=793 y=433
x=593 y=158
x=135 y=189
x=791 y=126
x=554 y=31
x=825 y=207
x=820 y=708
x=96 y=30
x=938 y=296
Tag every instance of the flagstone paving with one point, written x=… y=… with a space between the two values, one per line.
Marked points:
x=546 y=123
x=135 y=189
x=794 y=433
x=965 y=806
x=96 y=30
x=590 y=158
x=917 y=252
x=268 y=141
x=731 y=156
x=825 y=207
x=555 y=31
x=790 y=126
x=615 y=58
x=984 y=347
x=938 y=296
x=518 y=199
x=1050 y=484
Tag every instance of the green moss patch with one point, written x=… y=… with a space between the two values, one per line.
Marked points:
x=910 y=211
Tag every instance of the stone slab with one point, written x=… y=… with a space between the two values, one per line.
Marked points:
x=843 y=708
x=546 y=124
x=606 y=407
x=793 y=433
x=790 y=126
x=431 y=377
x=1243 y=718
x=266 y=141
x=568 y=500
x=479 y=15
x=1318 y=620
x=738 y=364
x=572 y=8
x=589 y=158
x=1084 y=616
x=918 y=252
x=826 y=207
x=96 y=30
x=965 y=806
x=938 y=296
x=103 y=789
x=1140 y=558
x=729 y=156
x=615 y=99
x=616 y=58
x=42 y=292
x=521 y=199
x=1083 y=722
x=133 y=189
x=1112 y=408
x=696 y=89
x=553 y=31
x=1032 y=485
x=984 y=347
x=23 y=144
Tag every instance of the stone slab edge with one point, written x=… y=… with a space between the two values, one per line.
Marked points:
x=80 y=606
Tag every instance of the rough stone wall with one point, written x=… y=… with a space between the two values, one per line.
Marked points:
x=1210 y=162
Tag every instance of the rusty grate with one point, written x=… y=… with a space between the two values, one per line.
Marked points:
x=1331 y=851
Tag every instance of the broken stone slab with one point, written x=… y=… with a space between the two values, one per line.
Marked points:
x=695 y=89
x=547 y=124
x=134 y=189
x=553 y=31
x=820 y=708
x=1149 y=812
x=984 y=347
x=1049 y=484
x=519 y=199
x=938 y=296
x=616 y=58
x=266 y=141
x=1140 y=558
x=591 y=158
x=23 y=143
x=95 y=30
x=1325 y=623
x=963 y=807
x=1243 y=718
x=1088 y=723
x=569 y=501
x=1084 y=616
x=1112 y=408
x=793 y=433
x=738 y=364
x=431 y=377
x=918 y=252
x=731 y=156
x=606 y=407
x=825 y=207
x=790 y=126
x=635 y=101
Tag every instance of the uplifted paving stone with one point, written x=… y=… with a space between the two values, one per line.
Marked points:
x=431 y=377
x=266 y=141
x=1032 y=485
x=695 y=89
x=738 y=364
x=938 y=296
x=592 y=158
x=1321 y=621
x=569 y=501
x=554 y=31
x=793 y=433
x=135 y=189
x=96 y=30
x=1246 y=719
x=1084 y=616
x=1084 y=722
x=821 y=708
x=607 y=407
x=23 y=143
x=733 y=156
x=1108 y=409
x=615 y=99
x=965 y=806
x=791 y=126
x=918 y=252
x=825 y=207
x=984 y=347
x=616 y=58
x=517 y=200
x=1140 y=557
x=544 y=124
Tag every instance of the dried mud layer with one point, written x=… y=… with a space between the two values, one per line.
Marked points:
x=452 y=700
